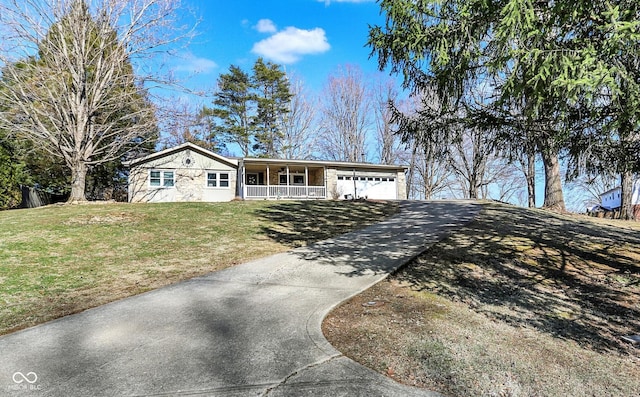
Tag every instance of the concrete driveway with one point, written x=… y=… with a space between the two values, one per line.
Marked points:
x=250 y=330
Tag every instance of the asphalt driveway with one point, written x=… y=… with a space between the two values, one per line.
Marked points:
x=250 y=330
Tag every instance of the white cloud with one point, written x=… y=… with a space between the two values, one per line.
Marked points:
x=190 y=63
x=289 y=45
x=266 y=26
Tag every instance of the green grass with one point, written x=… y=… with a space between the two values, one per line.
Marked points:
x=59 y=260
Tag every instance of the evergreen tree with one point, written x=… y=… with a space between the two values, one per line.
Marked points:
x=11 y=176
x=272 y=96
x=250 y=110
x=232 y=108
x=555 y=57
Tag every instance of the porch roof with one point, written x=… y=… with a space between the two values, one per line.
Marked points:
x=322 y=163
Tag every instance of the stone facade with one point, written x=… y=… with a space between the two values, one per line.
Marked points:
x=190 y=168
x=332 y=182
x=402 y=186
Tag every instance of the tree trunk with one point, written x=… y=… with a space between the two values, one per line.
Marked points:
x=412 y=168
x=531 y=179
x=78 y=182
x=473 y=188
x=626 y=206
x=553 y=197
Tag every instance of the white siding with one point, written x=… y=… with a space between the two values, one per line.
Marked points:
x=611 y=199
x=635 y=196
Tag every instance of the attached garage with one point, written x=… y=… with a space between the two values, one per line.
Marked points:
x=380 y=186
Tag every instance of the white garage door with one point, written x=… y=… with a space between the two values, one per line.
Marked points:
x=381 y=188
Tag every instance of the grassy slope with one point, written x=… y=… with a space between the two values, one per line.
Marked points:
x=518 y=303
x=63 y=259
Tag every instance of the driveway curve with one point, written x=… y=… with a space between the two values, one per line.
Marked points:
x=250 y=330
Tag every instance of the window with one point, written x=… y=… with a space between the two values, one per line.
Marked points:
x=224 y=180
x=154 y=178
x=294 y=179
x=159 y=178
x=217 y=179
x=212 y=179
x=167 y=178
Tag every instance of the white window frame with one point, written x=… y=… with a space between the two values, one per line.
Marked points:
x=292 y=176
x=163 y=178
x=218 y=179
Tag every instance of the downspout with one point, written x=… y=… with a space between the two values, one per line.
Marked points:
x=355 y=189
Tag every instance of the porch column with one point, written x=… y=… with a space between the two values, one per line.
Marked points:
x=306 y=179
x=288 y=188
x=268 y=193
x=325 y=182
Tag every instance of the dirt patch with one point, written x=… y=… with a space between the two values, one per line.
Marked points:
x=104 y=219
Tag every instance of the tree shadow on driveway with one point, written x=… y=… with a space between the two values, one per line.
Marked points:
x=382 y=247
x=300 y=223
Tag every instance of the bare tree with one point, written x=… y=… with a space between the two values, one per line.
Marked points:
x=345 y=115
x=178 y=128
x=585 y=190
x=75 y=78
x=421 y=128
x=429 y=176
x=189 y=123
x=299 y=140
x=468 y=156
x=389 y=142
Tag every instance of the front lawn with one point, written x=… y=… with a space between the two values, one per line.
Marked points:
x=60 y=260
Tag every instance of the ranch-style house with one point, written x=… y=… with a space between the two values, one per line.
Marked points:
x=190 y=173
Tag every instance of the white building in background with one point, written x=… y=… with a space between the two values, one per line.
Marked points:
x=612 y=199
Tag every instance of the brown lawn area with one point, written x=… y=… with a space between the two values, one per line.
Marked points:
x=517 y=303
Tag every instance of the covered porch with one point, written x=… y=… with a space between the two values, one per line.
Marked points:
x=282 y=180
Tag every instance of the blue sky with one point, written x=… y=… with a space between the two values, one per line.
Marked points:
x=310 y=38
